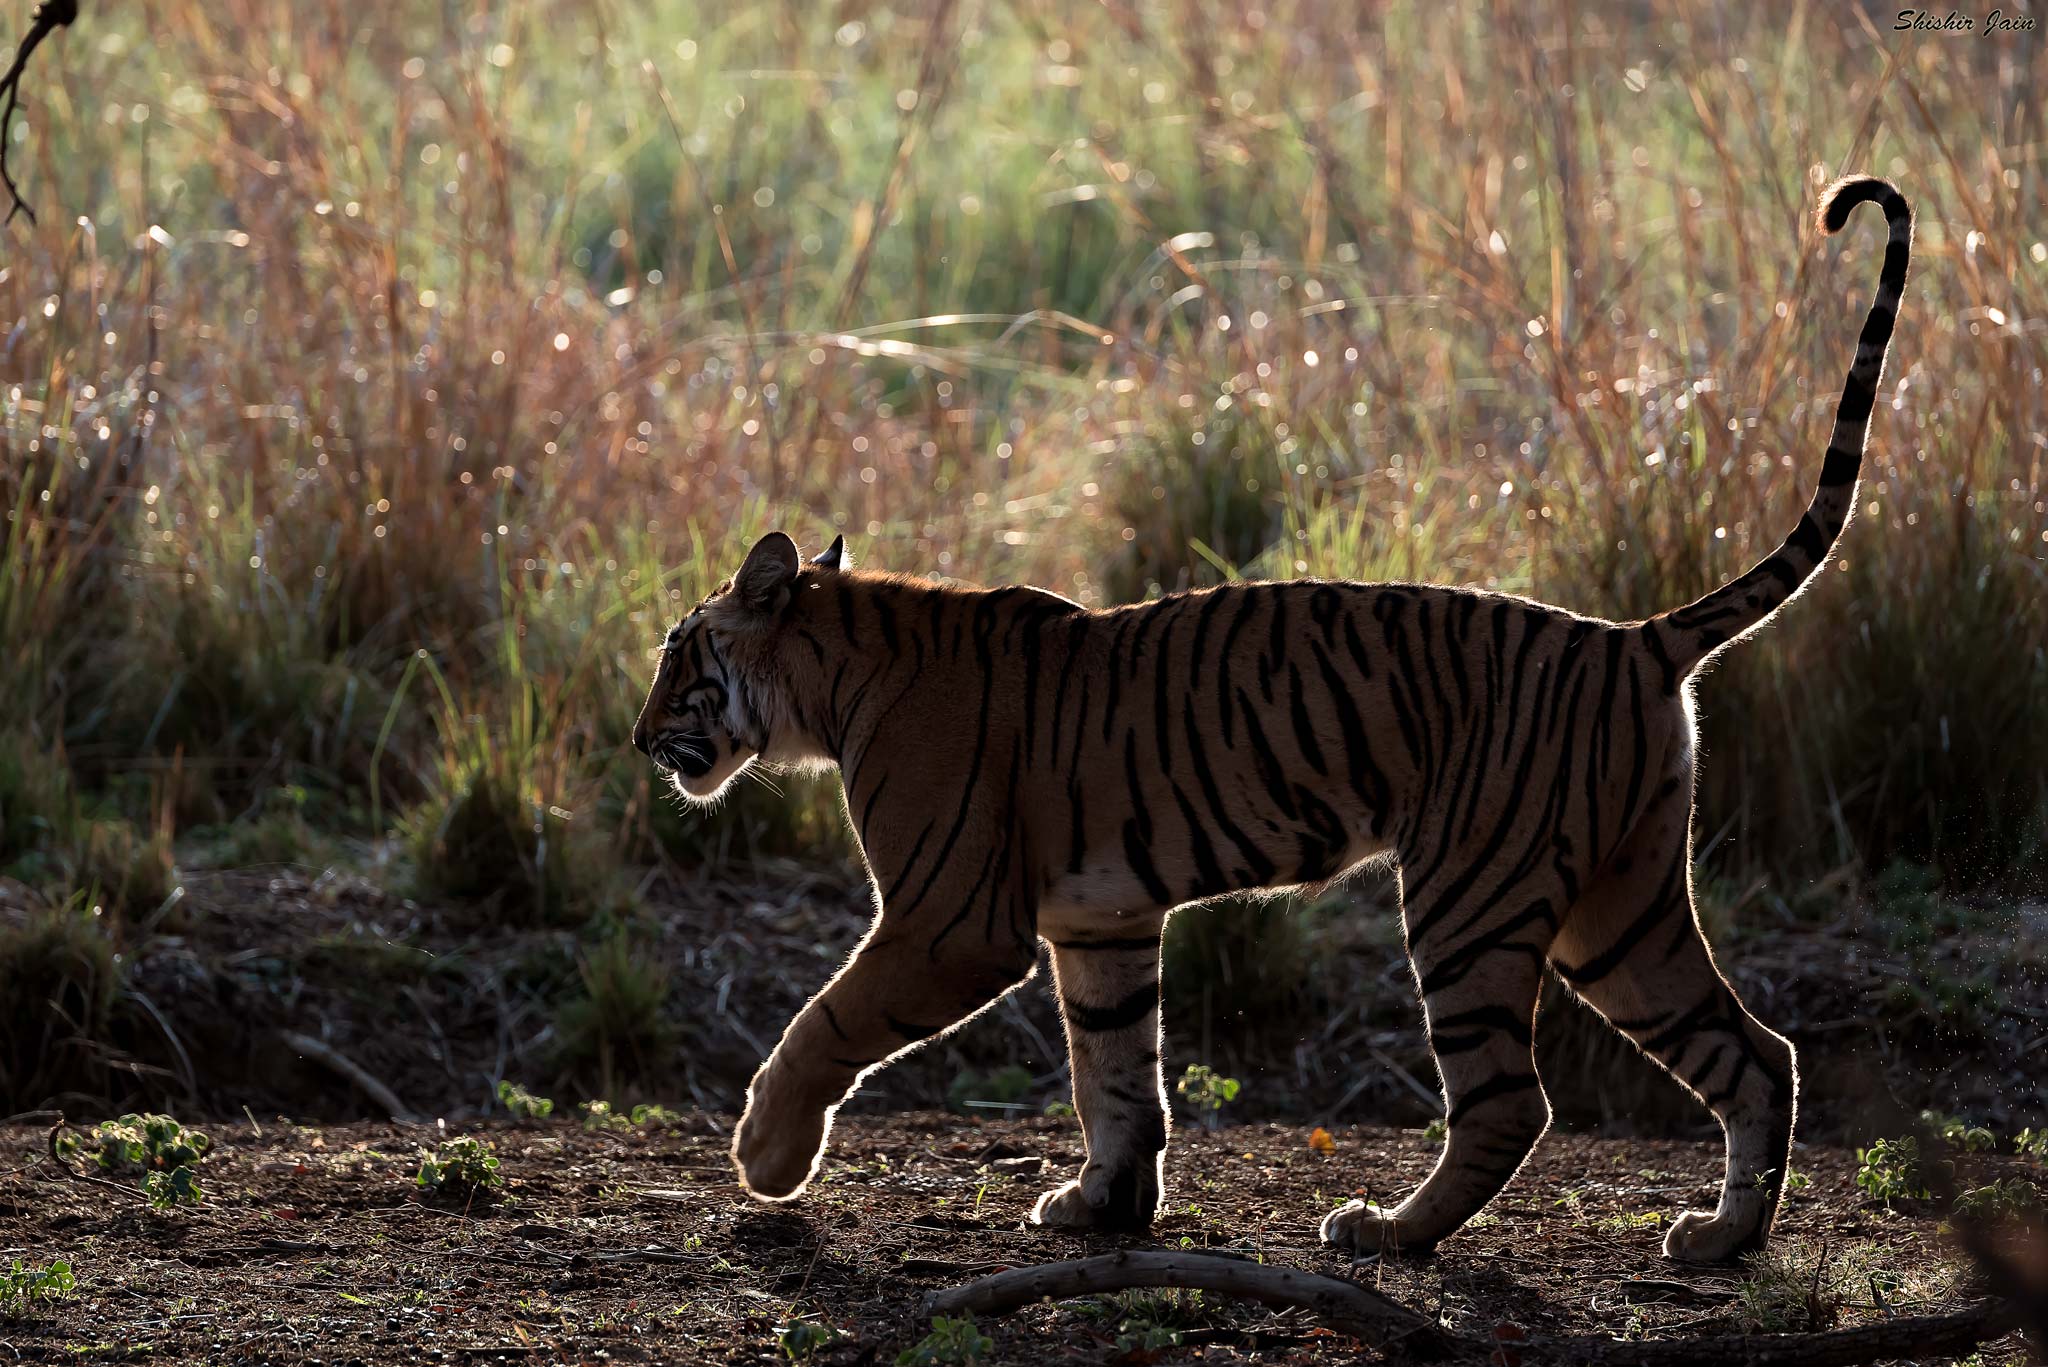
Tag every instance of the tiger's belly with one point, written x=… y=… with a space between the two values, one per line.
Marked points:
x=1107 y=896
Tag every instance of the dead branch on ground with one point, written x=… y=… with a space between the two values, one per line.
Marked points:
x=1389 y=1326
x=1342 y=1305
x=346 y=1067
x=1916 y=1336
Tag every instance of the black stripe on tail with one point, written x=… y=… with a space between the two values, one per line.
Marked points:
x=1690 y=634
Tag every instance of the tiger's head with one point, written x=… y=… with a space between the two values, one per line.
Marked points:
x=715 y=705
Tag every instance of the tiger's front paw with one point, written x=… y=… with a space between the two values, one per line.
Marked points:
x=1121 y=1199
x=1369 y=1231
x=1700 y=1236
x=776 y=1149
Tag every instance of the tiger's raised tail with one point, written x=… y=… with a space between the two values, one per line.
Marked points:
x=1689 y=635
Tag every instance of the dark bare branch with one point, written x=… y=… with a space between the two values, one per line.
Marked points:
x=1916 y=1336
x=50 y=16
x=1390 y=1326
x=1342 y=1305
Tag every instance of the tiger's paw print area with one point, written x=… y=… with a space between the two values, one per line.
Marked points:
x=1123 y=1199
x=1369 y=1232
x=775 y=1154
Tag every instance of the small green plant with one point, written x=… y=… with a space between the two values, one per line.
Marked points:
x=2032 y=1143
x=460 y=1169
x=1060 y=1110
x=1628 y=1222
x=178 y=1187
x=1146 y=1338
x=1889 y=1170
x=645 y=1115
x=951 y=1341
x=165 y=1151
x=23 y=1285
x=801 y=1340
x=1152 y=1321
x=2004 y=1199
x=521 y=1104
x=1795 y=1180
x=1792 y=1287
x=1436 y=1131
x=1959 y=1132
x=598 y=1116
x=1205 y=1092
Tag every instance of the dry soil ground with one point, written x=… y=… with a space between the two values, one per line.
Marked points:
x=636 y=1246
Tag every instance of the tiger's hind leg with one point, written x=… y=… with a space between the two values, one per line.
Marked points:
x=1480 y=977
x=1631 y=947
x=1109 y=997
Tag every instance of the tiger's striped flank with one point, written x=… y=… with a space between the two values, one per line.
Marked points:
x=1020 y=769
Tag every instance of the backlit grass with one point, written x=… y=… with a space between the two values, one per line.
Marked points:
x=350 y=333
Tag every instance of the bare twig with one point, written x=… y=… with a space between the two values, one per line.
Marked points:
x=1342 y=1305
x=353 y=1071
x=1352 y=1309
x=49 y=16
x=1918 y=1336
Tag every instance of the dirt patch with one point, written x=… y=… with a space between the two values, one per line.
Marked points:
x=637 y=1247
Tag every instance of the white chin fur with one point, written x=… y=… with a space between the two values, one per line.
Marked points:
x=709 y=787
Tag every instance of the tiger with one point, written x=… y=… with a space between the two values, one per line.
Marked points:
x=1018 y=768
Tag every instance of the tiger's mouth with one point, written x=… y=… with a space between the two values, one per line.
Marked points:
x=689 y=753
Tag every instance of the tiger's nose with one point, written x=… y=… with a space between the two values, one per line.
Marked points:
x=641 y=740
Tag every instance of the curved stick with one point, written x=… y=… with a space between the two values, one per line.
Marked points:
x=1342 y=1305
x=347 y=1067
x=1914 y=1336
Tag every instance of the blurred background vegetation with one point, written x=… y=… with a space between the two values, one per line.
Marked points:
x=379 y=381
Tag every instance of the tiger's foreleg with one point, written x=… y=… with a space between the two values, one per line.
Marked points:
x=1109 y=997
x=898 y=990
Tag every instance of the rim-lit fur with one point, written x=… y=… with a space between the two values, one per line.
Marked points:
x=1018 y=768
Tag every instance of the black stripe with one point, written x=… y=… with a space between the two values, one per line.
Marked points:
x=1213 y=600
x=1264 y=759
x=846 y=613
x=1261 y=868
x=1209 y=878
x=1517 y=1026
x=1224 y=696
x=1123 y=944
x=1140 y=1003
x=913 y=1033
x=1600 y=965
x=1304 y=729
x=886 y=614
x=1367 y=779
x=1500 y=1085
x=1138 y=829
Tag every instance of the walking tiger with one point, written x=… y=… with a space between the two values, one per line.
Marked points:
x=1018 y=768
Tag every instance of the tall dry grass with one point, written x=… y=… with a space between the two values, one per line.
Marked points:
x=353 y=338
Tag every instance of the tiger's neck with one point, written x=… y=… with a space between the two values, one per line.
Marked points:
x=848 y=636
x=861 y=648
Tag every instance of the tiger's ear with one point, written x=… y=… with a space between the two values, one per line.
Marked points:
x=763 y=582
x=833 y=557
